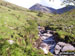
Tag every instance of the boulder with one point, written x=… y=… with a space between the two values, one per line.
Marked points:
x=68 y=47
x=61 y=44
x=45 y=48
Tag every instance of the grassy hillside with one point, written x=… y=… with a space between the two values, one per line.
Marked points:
x=20 y=25
x=11 y=6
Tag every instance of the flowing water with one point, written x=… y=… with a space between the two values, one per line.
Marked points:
x=50 y=41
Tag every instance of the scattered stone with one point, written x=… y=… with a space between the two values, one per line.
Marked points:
x=68 y=47
x=10 y=41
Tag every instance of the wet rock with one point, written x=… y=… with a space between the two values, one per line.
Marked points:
x=43 y=37
x=48 y=35
x=44 y=47
x=68 y=47
x=57 y=51
x=61 y=44
x=57 y=47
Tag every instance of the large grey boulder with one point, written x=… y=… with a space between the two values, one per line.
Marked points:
x=62 y=44
x=68 y=47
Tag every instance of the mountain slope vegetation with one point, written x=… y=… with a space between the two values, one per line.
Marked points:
x=18 y=25
x=21 y=26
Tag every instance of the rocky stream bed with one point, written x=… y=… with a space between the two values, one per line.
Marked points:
x=48 y=42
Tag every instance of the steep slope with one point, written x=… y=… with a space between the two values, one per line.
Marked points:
x=18 y=31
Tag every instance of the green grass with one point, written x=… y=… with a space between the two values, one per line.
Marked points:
x=20 y=25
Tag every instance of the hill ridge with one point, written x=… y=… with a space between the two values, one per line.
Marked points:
x=40 y=7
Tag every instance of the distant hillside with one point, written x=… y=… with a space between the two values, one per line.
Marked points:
x=65 y=9
x=39 y=7
x=11 y=6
